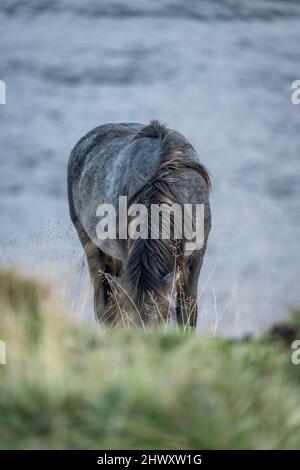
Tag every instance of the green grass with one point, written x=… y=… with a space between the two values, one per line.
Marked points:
x=68 y=385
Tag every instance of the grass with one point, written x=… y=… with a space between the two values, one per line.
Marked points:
x=69 y=385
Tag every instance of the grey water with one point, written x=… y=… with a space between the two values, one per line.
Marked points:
x=218 y=71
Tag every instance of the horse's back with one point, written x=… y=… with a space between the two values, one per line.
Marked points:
x=107 y=163
x=97 y=148
x=103 y=165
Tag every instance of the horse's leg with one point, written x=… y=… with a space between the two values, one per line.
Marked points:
x=187 y=301
x=99 y=265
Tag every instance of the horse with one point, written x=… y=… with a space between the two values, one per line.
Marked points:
x=149 y=165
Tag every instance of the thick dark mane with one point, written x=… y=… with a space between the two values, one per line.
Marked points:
x=172 y=151
x=150 y=260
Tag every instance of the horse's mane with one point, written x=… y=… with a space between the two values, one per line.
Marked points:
x=150 y=260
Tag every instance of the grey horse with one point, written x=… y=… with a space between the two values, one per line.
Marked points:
x=149 y=164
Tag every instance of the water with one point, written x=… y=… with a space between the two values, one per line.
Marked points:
x=220 y=72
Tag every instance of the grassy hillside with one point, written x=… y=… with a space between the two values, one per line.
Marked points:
x=68 y=385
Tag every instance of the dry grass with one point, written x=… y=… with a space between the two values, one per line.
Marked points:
x=69 y=385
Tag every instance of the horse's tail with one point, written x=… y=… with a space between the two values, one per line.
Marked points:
x=149 y=260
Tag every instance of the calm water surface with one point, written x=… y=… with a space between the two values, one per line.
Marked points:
x=220 y=74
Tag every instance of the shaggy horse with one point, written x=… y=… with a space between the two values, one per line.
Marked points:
x=150 y=165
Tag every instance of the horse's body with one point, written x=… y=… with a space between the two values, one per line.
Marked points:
x=147 y=164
